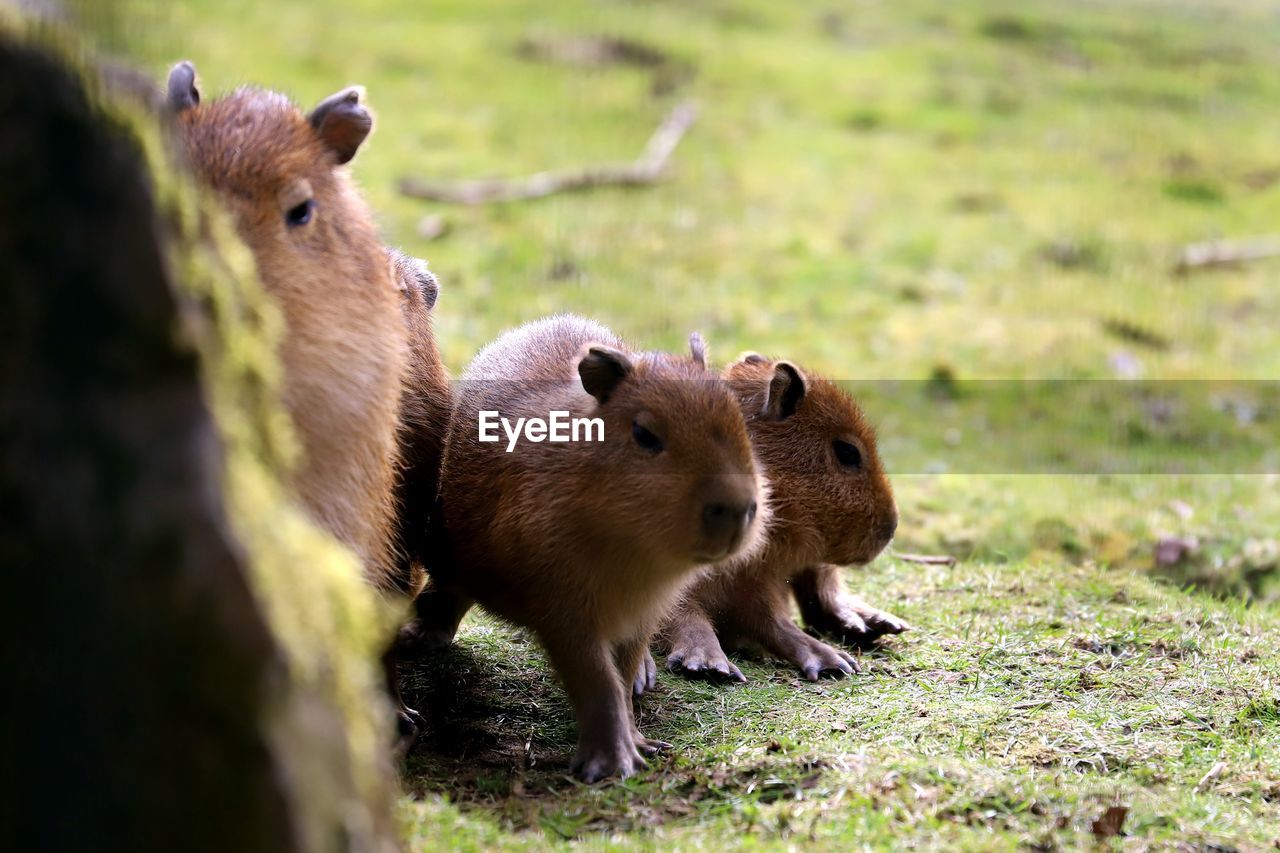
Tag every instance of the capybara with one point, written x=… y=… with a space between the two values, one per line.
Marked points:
x=424 y=416
x=832 y=504
x=589 y=542
x=346 y=345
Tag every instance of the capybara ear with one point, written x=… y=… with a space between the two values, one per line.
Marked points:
x=752 y=358
x=698 y=349
x=786 y=390
x=602 y=369
x=411 y=272
x=342 y=122
x=182 y=93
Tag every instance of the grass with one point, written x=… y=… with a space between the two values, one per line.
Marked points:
x=939 y=193
x=1026 y=703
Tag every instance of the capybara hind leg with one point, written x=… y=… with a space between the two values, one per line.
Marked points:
x=438 y=612
x=630 y=656
x=811 y=656
x=695 y=649
x=829 y=609
x=606 y=746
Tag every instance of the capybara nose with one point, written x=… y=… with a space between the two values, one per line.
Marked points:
x=889 y=527
x=724 y=523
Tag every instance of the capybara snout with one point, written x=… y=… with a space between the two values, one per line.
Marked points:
x=889 y=527
x=729 y=509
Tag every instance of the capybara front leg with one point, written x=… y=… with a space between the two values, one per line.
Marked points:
x=630 y=656
x=695 y=648
x=829 y=609
x=783 y=638
x=606 y=746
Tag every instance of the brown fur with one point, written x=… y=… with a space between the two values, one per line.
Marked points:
x=358 y=354
x=589 y=544
x=344 y=347
x=424 y=417
x=823 y=512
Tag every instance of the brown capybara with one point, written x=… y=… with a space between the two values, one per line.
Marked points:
x=832 y=504
x=280 y=173
x=346 y=344
x=589 y=542
x=424 y=416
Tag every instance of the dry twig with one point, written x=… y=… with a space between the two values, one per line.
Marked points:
x=927 y=559
x=1220 y=253
x=646 y=169
x=1209 y=778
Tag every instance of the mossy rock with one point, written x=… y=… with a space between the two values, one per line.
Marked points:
x=198 y=661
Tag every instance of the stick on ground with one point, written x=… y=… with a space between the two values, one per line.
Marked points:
x=926 y=559
x=1220 y=253
x=648 y=168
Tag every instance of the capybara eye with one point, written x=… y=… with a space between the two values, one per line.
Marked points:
x=646 y=439
x=847 y=454
x=300 y=214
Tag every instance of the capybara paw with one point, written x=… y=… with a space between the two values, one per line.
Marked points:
x=880 y=622
x=646 y=677
x=615 y=760
x=649 y=746
x=859 y=624
x=408 y=724
x=698 y=661
x=815 y=658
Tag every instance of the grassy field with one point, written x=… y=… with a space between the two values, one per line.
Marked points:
x=933 y=192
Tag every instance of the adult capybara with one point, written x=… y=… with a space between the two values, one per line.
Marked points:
x=589 y=542
x=832 y=504
x=353 y=327
x=280 y=173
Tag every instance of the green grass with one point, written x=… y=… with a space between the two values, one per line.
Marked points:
x=964 y=191
x=1027 y=701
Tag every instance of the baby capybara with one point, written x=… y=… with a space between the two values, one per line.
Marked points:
x=832 y=504
x=589 y=542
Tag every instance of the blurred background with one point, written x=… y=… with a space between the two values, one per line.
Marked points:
x=937 y=192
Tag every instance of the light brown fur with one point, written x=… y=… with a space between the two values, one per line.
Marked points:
x=824 y=512
x=362 y=376
x=589 y=544
x=345 y=345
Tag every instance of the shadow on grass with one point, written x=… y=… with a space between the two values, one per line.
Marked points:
x=498 y=735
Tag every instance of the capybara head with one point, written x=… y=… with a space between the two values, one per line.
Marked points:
x=278 y=171
x=832 y=500
x=677 y=453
